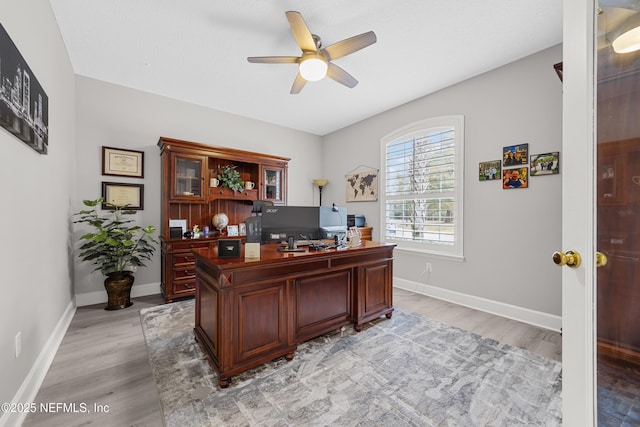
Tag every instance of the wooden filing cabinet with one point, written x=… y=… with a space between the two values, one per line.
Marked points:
x=179 y=267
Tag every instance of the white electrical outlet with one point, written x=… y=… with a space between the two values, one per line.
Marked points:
x=428 y=267
x=18 y=344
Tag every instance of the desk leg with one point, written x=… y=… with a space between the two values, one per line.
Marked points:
x=224 y=382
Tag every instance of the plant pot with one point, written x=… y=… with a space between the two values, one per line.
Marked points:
x=118 y=288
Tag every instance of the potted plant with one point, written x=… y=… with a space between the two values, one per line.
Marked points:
x=229 y=177
x=116 y=246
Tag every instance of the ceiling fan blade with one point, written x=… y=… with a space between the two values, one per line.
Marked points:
x=301 y=32
x=274 y=59
x=341 y=76
x=298 y=84
x=350 y=45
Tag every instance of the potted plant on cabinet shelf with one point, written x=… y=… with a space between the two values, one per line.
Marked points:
x=116 y=247
x=229 y=177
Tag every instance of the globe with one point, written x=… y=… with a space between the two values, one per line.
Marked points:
x=220 y=221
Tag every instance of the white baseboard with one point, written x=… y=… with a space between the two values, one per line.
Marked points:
x=31 y=384
x=98 y=297
x=525 y=315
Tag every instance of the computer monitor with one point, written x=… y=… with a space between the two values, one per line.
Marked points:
x=260 y=205
x=302 y=222
x=281 y=222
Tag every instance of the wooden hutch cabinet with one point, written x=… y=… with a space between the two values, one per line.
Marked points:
x=187 y=169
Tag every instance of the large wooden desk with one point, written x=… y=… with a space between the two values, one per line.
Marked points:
x=251 y=312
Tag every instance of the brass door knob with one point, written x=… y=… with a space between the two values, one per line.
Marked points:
x=601 y=259
x=570 y=258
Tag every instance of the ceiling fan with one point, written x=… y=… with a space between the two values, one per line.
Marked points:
x=315 y=62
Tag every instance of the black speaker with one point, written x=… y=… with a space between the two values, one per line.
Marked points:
x=229 y=248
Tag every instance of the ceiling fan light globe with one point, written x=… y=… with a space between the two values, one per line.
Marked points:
x=626 y=38
x=627 y=42
x=313 y=69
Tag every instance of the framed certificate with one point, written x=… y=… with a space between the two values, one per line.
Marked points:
x=119 y=194
x=119 y=162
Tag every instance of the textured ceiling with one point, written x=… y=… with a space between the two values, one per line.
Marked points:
x=196 y=50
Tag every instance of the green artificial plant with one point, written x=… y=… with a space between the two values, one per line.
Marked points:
x=116 y=244
x=229 y=177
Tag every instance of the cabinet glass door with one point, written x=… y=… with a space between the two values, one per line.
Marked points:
x=273 y=184
x=188 y=178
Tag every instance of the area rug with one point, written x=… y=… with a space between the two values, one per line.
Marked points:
x=405 y=371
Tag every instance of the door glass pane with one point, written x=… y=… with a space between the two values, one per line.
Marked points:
x=272 y=181
x=188 y=174
x=618 y=216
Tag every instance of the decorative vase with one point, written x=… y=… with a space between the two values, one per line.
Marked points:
x=118 y=288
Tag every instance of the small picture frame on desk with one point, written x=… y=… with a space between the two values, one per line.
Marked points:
x=229 y=248
x=252 y=251
x=175 y=232
x=232 y=230
x=242 y=229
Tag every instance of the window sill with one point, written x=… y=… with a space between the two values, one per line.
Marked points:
x=432 y=254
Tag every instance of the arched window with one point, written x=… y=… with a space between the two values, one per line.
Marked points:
x=421 y=199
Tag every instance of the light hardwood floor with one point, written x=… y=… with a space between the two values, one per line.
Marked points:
x=103 y=360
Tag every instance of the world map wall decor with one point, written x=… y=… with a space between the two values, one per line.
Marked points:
x=24 y=106
x=362 y=186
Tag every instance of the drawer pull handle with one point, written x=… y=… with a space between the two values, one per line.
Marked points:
x=188 y=273
x=186 y=285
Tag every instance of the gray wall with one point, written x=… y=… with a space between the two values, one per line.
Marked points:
x=116 y=116
x=509 y=234
x=37 y=199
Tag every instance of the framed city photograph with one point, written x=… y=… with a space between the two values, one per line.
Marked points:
x=515 y=178
x=119 y=194
x=490 y=171
x=120 y=162
x=545 y=164
x=515 y=155
x=24 y=105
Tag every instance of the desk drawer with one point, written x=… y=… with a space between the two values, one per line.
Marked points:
x=183 y=258
x=187 y=245
x=184 y=287
x=184 y=273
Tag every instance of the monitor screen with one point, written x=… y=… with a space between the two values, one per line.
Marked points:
x=301 y=222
